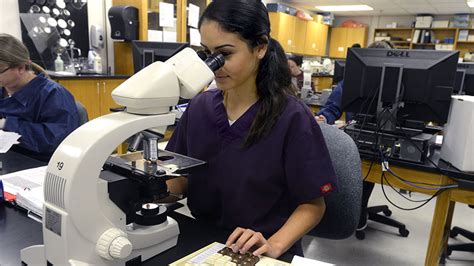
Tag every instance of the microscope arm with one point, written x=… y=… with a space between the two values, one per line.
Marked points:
x=72 y=173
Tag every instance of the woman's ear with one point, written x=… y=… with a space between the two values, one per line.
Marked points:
x=22 y=68
x=261 y=50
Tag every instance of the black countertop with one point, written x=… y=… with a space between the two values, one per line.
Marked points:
x=17 y=231
x=90 y=76
x=318 y=75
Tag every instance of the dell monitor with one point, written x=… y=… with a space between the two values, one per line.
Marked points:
x=409 y=85
x=464 y=83
x=339 y=66
x=145 y=53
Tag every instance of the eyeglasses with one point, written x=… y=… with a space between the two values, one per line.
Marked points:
x=5 y=70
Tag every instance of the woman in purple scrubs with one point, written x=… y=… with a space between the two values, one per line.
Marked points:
x=268 y=166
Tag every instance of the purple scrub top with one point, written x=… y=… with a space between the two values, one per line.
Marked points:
x=256 y=187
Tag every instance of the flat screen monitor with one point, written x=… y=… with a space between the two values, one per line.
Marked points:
x=423 y=78
x=464 y=83
x=339 y=66
x=145 y=53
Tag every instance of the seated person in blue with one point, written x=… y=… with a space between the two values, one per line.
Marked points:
x=268 y=165
x=37 y=108
x=331 y=111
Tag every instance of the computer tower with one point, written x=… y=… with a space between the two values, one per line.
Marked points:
x=458 y=144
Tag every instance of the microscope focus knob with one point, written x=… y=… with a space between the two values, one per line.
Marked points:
x=113 y=244
x=120 y=248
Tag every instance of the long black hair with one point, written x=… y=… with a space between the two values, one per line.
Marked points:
x=249 y=19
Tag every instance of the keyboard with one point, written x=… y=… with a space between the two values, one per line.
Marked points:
x=220 y=255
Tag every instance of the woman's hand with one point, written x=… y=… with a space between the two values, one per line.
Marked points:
x=320 y=119
x=243 y=240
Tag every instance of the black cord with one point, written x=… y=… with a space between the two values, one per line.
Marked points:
x=365 y=116
x=375 y=145
x=405 y=197
x=407 y=181
x=382 y=178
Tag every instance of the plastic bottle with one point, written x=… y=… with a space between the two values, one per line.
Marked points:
x=97 y=64
x=90 y=59
x=58 y=64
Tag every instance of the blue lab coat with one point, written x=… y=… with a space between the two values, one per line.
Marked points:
x=43 y=113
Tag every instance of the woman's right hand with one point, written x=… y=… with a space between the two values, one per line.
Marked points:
x=320 y=119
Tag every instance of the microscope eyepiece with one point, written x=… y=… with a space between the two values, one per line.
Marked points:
x=202 y=55
x=215 y=61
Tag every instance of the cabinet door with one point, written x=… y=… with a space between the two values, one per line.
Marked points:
x=287 y=32
x=299 y=36
x=321 y=38
x=310 y=46
x=85 y=91
x=356 y=35
x=106 y=100
x=282 y=29
x=338 y=42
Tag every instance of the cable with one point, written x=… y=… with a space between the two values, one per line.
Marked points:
x=414 y=184
x=382 y=178
x=405 y=197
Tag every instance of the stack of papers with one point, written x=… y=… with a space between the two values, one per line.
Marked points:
x=27 y=187
x=7 y=139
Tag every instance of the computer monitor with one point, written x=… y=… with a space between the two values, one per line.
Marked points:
x=422 y=79
x=339 y=66
x=464 y=83
x=145 y=53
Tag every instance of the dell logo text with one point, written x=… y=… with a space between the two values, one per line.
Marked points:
x=398 y=53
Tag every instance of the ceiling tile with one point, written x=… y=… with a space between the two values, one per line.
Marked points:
x=389 y=7
x=416 y=10
x=453 y=10
x=447 y=1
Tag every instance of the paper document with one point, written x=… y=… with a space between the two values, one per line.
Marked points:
x=27 y=186
x=193 y=15
x=300 y=261
x=166 y=14
x=7 y=139
x=155 y=36
x=195 y=37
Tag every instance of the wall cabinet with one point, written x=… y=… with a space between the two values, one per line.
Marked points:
x=316 y=38
x=343 y=38
x=298 y=36
x=283 y=29
x=94 y=94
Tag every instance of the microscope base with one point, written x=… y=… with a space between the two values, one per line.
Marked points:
x=143 y=238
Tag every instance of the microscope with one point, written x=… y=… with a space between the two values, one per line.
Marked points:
x=99 y=209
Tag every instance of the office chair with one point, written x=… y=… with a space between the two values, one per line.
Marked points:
x=343 y=206
x=83 y=117
x=455 y=231
x=372 y=213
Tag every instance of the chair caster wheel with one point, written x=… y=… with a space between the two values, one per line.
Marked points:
x=403 y=232
x=360 y=235
x=387 y=212
x=453 y=233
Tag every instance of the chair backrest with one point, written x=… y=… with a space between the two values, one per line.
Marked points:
x=342 y=207
x=83 y=117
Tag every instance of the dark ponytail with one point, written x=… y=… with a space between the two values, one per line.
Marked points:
x=249 y=19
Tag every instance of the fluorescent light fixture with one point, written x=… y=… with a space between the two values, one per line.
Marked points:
x=345 y=8
x=470 y=4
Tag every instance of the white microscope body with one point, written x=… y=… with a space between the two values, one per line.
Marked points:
x=81 y=225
